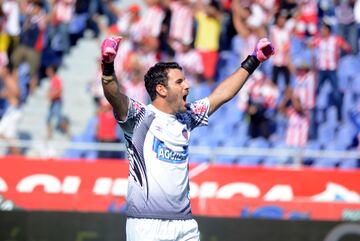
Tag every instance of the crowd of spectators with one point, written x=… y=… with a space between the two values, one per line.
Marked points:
x=304 y=97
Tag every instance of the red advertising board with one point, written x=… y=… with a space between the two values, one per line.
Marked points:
x=228 y=191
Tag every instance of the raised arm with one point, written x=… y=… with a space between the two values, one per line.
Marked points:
x=118 y=100
x=228 y=88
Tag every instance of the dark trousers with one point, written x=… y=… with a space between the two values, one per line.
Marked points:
x=335 y=96
x=284 y=70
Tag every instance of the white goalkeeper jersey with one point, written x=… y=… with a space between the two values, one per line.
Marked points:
x=157 y=145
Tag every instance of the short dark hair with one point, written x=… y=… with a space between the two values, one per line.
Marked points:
x=158 y=74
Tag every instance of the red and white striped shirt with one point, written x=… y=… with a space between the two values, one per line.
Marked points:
x=192 y=63
x=297 y=130
x=329 y=51
x=304 y=88
x=136 y=91
x=309 y=8
x=63 y=11
x=259 y=89
x=280 y=38
x=151 y=22
x=182 y=22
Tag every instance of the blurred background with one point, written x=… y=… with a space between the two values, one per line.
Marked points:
x=286 y=147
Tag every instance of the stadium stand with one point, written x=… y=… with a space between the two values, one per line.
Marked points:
x=71 y=41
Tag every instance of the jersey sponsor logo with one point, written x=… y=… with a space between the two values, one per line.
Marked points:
x=164 y=153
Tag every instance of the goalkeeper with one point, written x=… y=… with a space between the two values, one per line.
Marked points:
x=157 y=139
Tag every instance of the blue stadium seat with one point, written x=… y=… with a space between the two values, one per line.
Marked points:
x=325 y=163
x=345 y=134
x=349 y=164
x=199 y=91
x=356 y=84
x=225 y=159
x=251 y=160
x=312 y=145
x=276 y=160
x=322 y=100
x=272 y=161
x=198 y=158
x=349 y=103
x=326 y=132
x=331 y=116
x=329 y=162
x=235 y=140
x=88 y=136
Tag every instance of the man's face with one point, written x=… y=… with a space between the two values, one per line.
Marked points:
x=325 y=32
x=177 y=90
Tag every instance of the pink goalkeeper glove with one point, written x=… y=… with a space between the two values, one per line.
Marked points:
x=263 y=50
x=109 y=48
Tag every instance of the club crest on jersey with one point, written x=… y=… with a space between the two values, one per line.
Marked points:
x=185 y=134
x=164 y=153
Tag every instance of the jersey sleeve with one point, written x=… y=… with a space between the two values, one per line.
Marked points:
x=136 y=112
x=197 y=113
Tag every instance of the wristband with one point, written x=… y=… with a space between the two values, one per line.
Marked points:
x=107 y=68
x=107 y=79
x=250 y=64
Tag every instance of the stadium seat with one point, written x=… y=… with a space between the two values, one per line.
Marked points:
x=236 y=141
x=356 y=85
x=329 y=162
x=344 y=135
x=198 y=158
x=349 y=103
x=349 y=164
x=322 y=99
x=277 y=160
x=88 y=136
x=326 y=132
x=331 y=116
x=312 y=145
x=325 y=163
x=252 y=160
x=225 y=159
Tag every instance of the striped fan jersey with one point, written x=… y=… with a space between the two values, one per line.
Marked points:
x=157 y=145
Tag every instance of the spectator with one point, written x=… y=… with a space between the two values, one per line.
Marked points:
x=106 y=130
x=208 y=36
x=298 y=120
x=11 y=10
x=9 y=122
x=258 y=99
x=280 y=37
x=134 y=87
x=192 y=62
x=181 y=23
x=31 y=42
x=304 y=88
x=55 y=97
x=329 y=46
x=347 y=27
x=150 y=25
x=62 y=13
x=4 y=41
x=246 y=36
x=307 y=18
x=165 y=48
